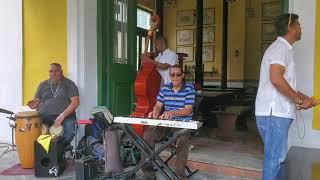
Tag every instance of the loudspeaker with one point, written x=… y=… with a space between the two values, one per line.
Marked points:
x=86 y=168
x=50 y=164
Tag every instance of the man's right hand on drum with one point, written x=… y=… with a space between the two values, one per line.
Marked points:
x=34 y=103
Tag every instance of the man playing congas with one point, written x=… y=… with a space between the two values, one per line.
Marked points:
x=57 y=99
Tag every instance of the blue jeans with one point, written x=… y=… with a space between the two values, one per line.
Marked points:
x=274 y=133
x=69 y=129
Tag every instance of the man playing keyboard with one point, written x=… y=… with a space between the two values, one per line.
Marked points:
x=178 y=99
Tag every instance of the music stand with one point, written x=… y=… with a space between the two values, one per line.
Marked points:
x=9 y=147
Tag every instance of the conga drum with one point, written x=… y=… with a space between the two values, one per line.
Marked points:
x=28 y=129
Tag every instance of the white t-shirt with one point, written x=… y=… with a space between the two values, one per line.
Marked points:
x=269 y=100
x=169 y=57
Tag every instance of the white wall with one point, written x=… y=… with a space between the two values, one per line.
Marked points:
x=10 y=61
x=304 y=57
x=82 y=52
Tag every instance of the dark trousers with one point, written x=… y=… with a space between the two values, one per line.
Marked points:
x=153 y=134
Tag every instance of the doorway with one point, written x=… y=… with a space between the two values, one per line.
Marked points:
x=116 y=62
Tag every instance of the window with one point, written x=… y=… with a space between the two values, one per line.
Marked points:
x=143 y=19
x=120 y=31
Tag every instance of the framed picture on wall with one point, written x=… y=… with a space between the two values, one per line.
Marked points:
x=185 y=18
x=268 y=31
x=208 y=53
x=208 y=34
x=185 y=37
x=187 y=50
x=209 y=16
x=270 y=10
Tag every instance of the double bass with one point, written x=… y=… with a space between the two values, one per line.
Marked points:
x=147 y=82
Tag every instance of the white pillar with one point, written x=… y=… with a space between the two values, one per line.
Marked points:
x=10 y=61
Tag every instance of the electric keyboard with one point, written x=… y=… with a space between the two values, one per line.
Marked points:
x=159 y=122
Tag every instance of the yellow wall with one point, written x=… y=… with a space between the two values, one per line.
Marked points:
x=236 y=40
x=316 y=91
x=44 y=41
x=253 y=41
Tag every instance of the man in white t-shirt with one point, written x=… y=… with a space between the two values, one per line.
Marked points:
x=165 y=59
x=277 y=97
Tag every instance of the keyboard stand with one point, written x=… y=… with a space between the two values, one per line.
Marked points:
x=151 y=156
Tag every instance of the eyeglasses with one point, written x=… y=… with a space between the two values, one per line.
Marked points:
x=289 y=21
x=176 y=74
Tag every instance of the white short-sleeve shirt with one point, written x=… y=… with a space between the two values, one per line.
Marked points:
x=269 y=100
x=169 y=57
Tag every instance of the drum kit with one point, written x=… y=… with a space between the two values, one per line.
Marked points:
x=26 y=127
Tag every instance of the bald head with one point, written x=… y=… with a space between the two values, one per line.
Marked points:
x=55 y=72
x=161 y=44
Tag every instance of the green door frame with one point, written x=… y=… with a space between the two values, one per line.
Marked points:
x=104 y=48
x=105 y=27
x=284 y=6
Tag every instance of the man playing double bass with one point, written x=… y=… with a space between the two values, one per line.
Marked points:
x=178 y=99
x=165 y=59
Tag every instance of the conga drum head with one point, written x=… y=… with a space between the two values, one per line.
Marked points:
x=57 y=131
x=27 y=114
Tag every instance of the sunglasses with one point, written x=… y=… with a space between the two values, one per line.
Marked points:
x=176 y=74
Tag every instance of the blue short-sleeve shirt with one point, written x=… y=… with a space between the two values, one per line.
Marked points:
x=175 y=101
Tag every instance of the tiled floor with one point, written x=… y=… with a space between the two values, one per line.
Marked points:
x=243 y=152
x=11 y=158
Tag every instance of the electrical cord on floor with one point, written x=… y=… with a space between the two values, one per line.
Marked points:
x=300 y=136
x=153 y=132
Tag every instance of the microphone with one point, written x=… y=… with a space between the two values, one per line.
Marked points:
x=5 y=111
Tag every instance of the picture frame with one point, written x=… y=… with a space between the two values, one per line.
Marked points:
x=185 y=18
x=270 y=10
x=189 y=50
x=208 y=53
x=208 y=16
x=185 y=37
x=268 y=31
x=208 y=34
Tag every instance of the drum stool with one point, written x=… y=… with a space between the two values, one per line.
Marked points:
x=50 y=164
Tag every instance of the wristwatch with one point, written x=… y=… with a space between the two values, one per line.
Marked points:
x=300 y=102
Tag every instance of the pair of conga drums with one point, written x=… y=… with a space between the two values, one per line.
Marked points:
x=28 y=129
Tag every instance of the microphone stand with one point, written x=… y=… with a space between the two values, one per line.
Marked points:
x=12 y=146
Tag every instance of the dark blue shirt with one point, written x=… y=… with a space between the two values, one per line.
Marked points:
x=176 y=101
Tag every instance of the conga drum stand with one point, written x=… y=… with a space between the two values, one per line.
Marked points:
x=9 y=147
